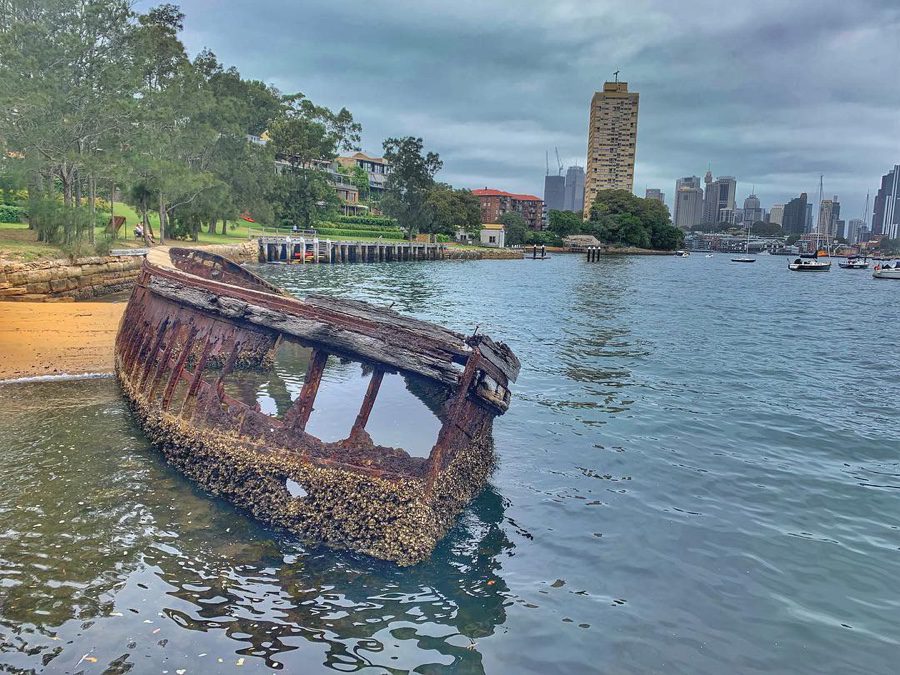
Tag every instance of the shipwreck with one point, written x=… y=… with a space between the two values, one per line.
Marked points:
x=191 y=326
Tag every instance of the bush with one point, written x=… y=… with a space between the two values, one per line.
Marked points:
x=13 y=214
x=443 y=238
x=371 y=221
x=545 y=238
x=338 y=232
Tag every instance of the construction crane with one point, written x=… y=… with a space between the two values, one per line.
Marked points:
x=548 y=162
x=558 y=163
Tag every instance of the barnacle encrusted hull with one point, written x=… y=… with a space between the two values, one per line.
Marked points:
x=184 y=334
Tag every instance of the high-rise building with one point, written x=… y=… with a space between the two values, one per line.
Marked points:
x=719 y=199
x=655 y=193
x=612 y=139
x=809 y=221
x=555 y=193
x=752 y=210
x=795 y=214
x=688 y=202
x=776 y=214
x=574 y=189
x=886 y=215
x=854 y=227
x=829 y=215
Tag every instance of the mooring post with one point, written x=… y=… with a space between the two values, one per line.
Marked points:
x=302 y=250
x=298 y=414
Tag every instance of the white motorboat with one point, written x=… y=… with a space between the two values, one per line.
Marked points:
x=887 y=271
x=682 y=254
x=854 y=264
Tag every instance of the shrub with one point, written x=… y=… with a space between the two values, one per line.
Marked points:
x=443 y=238
x=371 y=221
x=545 y=238
x=12 y=214
x=339 y=232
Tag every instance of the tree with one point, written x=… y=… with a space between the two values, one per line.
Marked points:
x=764 y=229
x=412 y=177
x=516 y=227
x=564 y=223
x=453 y=210
x=619 y=217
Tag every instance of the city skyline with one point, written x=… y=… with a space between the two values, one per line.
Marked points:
x=492 y=86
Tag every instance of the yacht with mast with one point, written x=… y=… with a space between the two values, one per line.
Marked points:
x=813 y=262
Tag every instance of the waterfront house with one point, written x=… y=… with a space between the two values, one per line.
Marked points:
x=493 y=234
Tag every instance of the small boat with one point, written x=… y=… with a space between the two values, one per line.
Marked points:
x=747 y=258
x=810 y=263
x=709 y=255
x=887 y=271
x=813 y=262
x=743 y=260
x=854 y=264
x=682 y=254
x=191 y=326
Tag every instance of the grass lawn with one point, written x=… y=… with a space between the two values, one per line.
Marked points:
x=18 y=243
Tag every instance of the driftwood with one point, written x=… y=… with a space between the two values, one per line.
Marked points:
x=185 y=332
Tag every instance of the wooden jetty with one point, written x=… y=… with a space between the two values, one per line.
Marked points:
x=305 y=249
x=188 y=328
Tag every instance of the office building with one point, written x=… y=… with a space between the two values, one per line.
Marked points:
x=688 y=202
x=574 y=189
x=612 y=139
x=555 y=193
x=809 y=218
x=719 y=199
x=495 y=203
x=795 y=215
x=776 y=214
x=654 y=193
x=854 y=227
x=886 y=215
x=752 y=211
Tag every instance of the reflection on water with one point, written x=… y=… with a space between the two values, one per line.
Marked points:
x=405 y=415
x=116 y=556
x=687 y=483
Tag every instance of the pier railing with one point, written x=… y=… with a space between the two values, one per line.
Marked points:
x=303 y=249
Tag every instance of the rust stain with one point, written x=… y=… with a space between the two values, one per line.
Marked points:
x=196 y=324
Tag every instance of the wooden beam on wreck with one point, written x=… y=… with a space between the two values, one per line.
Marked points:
x=298 y=414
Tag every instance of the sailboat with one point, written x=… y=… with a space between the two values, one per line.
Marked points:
x=813 y=262
x=853 y=262
x=747 y=258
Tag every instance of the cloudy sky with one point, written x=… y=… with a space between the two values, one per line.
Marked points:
x=774 y=92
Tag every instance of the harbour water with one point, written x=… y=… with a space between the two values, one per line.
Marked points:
x=699 y=473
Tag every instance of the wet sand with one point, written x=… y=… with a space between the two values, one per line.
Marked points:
x=57 y=338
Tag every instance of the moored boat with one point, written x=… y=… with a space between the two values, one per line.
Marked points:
x=887 y=271
x=188 y=328
x=854 y=264
x=810 y=264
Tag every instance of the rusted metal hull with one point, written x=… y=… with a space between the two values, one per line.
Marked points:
x=187 y=331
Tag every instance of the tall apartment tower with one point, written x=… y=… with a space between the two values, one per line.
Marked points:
x=688 y=202
x=574 y=189
x=612 y=138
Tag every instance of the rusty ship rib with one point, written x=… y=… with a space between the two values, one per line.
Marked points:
x=188 y=328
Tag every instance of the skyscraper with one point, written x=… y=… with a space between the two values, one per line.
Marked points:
x=554 y=193
x=776 y=214
x=794 y=219
x=574 y=189
x=824 y=225
x=752 y=210
x=655 y=193
x=886 y=216
x=718 y=204
x=854 y=226
x=612 y=138
x=809 y=221
x=688 y=202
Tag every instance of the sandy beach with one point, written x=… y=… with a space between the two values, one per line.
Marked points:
x=57 y=338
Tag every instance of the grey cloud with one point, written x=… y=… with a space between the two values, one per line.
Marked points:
x=772 y=92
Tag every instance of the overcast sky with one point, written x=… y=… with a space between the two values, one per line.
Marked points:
x=773 y=92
